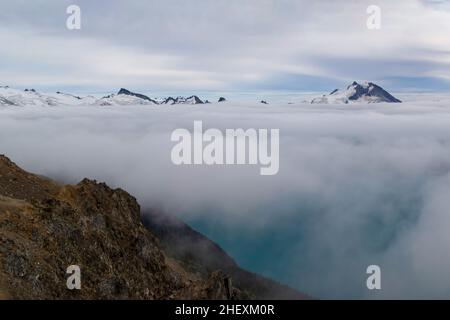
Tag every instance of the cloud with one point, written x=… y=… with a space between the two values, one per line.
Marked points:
x=358 y=185
x=220 y=45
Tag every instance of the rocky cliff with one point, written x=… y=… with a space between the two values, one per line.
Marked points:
x=46 y=227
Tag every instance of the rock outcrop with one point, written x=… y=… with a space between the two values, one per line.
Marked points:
x=45 y=227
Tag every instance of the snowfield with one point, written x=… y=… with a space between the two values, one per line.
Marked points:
x=359 y=184
x=366 y=92
x=31 y=97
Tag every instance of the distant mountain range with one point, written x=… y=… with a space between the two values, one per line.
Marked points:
x=31 y=97
x=367 y=92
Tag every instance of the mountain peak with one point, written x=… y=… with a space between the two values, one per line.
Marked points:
x=367 y=92
x=126 y=92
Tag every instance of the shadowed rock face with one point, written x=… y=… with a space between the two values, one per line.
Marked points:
x=46 y=227
x=138 y=95
x=4 y=101
x=199 y=254
x=370 y=90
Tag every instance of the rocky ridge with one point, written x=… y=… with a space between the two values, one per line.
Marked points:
x=46 y=227
x=31 y=97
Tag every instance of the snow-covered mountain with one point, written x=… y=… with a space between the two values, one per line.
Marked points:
x=183 y=100
x=125 y=97
x=367 y=92
x=30 y=97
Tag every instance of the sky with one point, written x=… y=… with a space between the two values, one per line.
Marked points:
x=243 y=45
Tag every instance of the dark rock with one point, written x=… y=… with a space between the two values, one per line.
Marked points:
x=370 y=90
x=16 y=265
x=6 y=102
x=182 y=100
x=76 y=97
x=200 y=255
x=46 y=227
x=138 y=95
x=196 y=99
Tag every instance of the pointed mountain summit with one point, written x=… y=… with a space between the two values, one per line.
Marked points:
x=367 y=92
x=133 y=94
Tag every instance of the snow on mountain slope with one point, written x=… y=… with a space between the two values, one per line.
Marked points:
x=11 y=96
x=30 y=97
x=124 y=92
x=367 y=92
x=122 y=100
x=70 y=99
x=183 y=100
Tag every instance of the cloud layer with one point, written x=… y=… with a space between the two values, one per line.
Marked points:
x=357 y=185
x=223 y=45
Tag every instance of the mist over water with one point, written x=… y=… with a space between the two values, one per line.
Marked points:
x=358 y=184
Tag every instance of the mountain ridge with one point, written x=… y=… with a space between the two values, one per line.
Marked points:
x=31 y=97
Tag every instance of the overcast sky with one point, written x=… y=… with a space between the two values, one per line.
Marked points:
x=203 y=45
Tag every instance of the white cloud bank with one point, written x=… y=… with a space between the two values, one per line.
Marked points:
x=357 y=185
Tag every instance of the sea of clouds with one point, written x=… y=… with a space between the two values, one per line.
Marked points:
x=358 y=184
